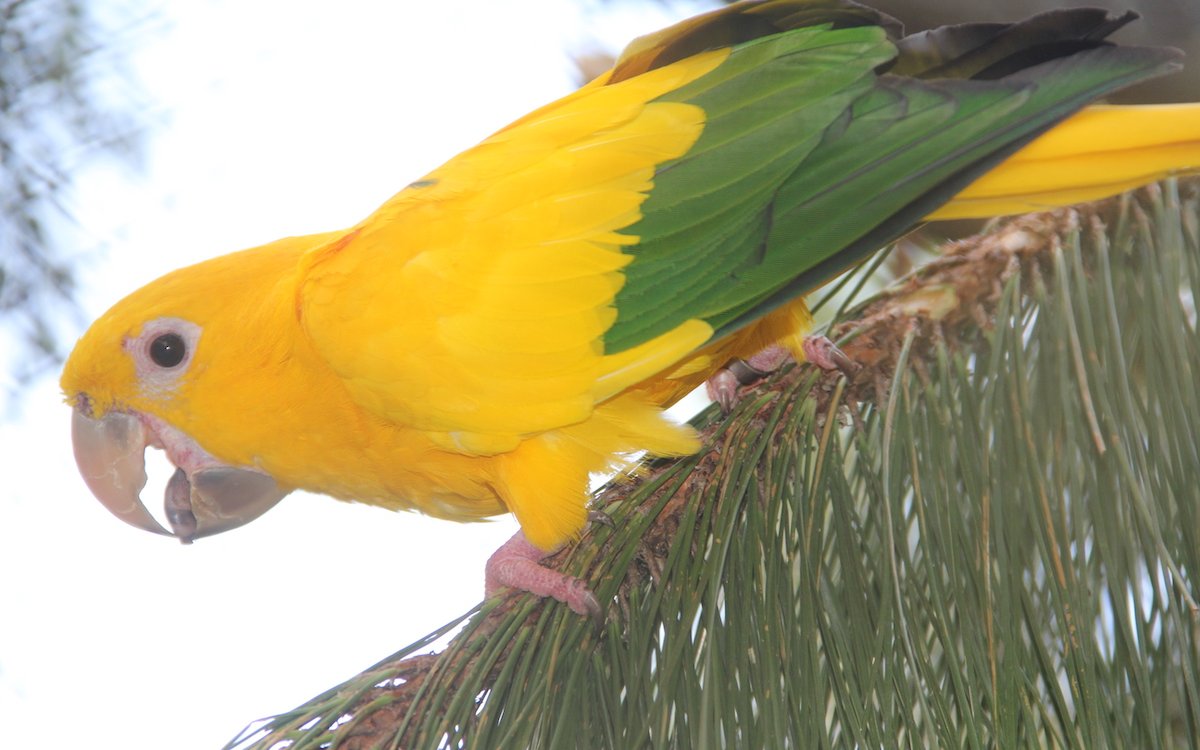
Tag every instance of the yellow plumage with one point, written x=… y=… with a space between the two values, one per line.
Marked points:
x=447 y=353
x=1101 y=151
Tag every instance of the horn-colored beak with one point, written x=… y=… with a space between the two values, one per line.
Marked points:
x=217 y=499
x=110 y=453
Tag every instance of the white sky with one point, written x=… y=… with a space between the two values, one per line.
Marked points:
x=280 y=118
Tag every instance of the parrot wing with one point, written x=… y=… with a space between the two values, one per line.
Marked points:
x=473 y=305
x=731 y=250
x=688 y=192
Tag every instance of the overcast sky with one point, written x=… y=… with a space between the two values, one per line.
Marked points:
x=275 y=118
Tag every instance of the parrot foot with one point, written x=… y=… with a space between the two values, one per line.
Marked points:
x=825 y=354
x=515 y=565
x=723 y=386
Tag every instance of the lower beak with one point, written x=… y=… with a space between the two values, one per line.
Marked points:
x=110 y=453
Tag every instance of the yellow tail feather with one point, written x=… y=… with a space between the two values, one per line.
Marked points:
x=1101 y=151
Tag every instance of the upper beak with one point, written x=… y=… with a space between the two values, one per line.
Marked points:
x=208 y=500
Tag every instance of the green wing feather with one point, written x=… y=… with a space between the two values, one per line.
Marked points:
x=815 y=154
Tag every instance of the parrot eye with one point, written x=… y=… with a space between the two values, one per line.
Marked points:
x=168 y=350
x=162 y=352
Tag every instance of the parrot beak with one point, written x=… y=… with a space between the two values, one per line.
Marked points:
x=110 y=453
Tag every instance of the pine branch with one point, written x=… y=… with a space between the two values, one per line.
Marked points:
x=989 y=538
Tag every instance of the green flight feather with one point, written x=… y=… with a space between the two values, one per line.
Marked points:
x=812 y=158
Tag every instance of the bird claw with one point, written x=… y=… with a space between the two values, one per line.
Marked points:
x=581 y=600
x=516 y=565
x=723 y=386
x=602 y=518
x=825 y=354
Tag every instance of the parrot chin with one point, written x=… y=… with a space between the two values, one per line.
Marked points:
x=203 y=497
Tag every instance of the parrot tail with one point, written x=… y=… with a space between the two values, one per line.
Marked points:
x=1102 y=151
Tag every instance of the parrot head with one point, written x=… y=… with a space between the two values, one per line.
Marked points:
x=167 y=367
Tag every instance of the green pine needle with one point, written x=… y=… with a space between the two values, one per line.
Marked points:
x=991 y=538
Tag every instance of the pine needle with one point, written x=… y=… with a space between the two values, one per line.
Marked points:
x=990 y=538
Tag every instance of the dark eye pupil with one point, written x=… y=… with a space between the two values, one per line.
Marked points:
x=168 y=350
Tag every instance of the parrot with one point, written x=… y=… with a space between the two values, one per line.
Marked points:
x=516 y=321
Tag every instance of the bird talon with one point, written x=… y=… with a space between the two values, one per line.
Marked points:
x=825 y=354
x=722 y=388
x=582 y=601
x=744 y=372
x=602 y=518
x=848 y=366
x=516 y=565
x=724 y=385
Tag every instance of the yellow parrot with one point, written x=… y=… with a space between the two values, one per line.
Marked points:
x=516 y=320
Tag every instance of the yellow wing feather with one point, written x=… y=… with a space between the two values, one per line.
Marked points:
x=476 y=315
x=465 y=316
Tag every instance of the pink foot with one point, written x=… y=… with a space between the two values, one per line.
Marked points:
x=515 y=565
x=723 y=386
x=824 y=354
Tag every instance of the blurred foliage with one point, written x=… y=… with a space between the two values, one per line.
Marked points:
x=56 y=111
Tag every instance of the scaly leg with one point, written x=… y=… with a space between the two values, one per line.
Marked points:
x=723 y=386
x=515 y=565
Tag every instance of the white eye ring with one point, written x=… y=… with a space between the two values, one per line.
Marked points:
x=162 y=352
